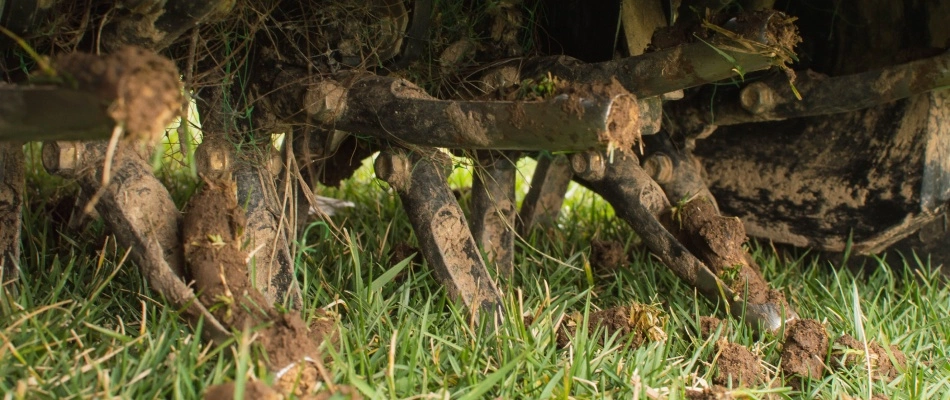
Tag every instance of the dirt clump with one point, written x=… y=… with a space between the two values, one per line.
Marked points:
x=607 y=255
x=803 y=354
x=718 y=242
x=715 y=392
x=636 y=323
x=709 y=325
x=213 y=233
x=737 y=366
x=141 y=89
x=849 y=352
x=252 y=390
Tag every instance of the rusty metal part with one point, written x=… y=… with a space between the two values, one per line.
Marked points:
x=147 y=223
x=639 y=201
x=863 y=179
x=542 y=204
x=441 y=227
x=493 y=208
x=12 y=181
x=772 y=99
x=676 y=170
x=394 y=109
x=668 y=70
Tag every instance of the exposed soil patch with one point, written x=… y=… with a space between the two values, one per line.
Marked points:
x=141 y=89
x=806 y=344
x=737 y=366
x=213 y=236
x=709 y=325
x=607 y=255
x=636 y=323
x=849 y=352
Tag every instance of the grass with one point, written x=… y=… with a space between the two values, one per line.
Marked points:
x=83 y=323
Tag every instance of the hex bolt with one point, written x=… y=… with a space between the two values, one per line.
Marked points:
x=757 y=98
x=394 y=168
x=325 y=101
x=62 y=157
x=660 y=167
x=589 y=165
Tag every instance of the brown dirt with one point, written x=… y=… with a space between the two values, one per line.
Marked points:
x=849 y=352
x=709 y=325
x=737 y=366
x=803 y=355
x=607 y=255
x=213 y=234
x=143 y=88
x=718 y=242
x=637 y=323
x=714 y=392
x=252 y=390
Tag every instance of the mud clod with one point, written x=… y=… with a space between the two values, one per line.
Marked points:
x=737 y=366
x=849 y=352
x=143 y=88
x=607 y=255
x=213 y=236
x=709 y=325
x=636 y=323
x=715 y=392
x=718 y=241
x=252 y=390
x=806 y=344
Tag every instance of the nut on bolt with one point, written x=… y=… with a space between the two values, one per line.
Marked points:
x=660 y=167
x=325 y=101
x=62 y=157
x=757 y=98
x=588 y=165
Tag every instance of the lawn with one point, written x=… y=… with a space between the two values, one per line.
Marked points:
x=81 y=322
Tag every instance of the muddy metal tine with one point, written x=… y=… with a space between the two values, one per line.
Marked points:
x=272 y=266
x=394 y=110
x=147 y=223
x=679 y=67
x=542 y=204
x=493 y=207
x=675 y=169
x=439 y=224
x=12 y=181
x=638 y=200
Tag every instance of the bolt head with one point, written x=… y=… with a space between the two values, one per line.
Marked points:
x=61 y=157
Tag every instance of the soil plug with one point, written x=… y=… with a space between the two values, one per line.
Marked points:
x=213 y=233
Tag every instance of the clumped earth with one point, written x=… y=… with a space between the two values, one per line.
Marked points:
x=607 y=255
x=803 y=354
x=636 y=324
x=737 y=366
x=141 y=89
x=709 y=325
x=718 y=242
x=213 y=234
x=848 y=352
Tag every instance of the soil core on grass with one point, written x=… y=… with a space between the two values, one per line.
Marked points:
x=849 y=352
x=607 y=255
x=803 y=355
x=737 y=366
